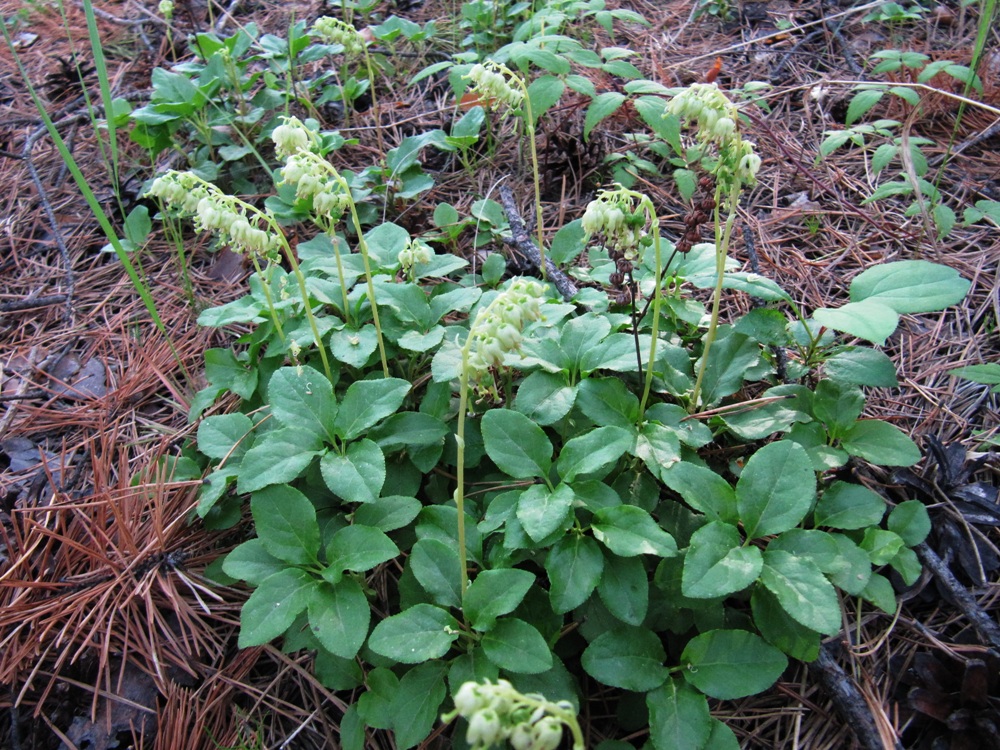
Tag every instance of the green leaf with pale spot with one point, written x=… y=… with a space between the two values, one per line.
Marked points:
x=729 y=664
x=417 y=634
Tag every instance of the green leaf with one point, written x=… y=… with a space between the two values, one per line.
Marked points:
x=988 y=374
x=420 y=633
x=880 y=593
x=861 y=366
x=277 y=457
x=436 y=567
x=728 y=664
x=388 y=513
x=274 y=605
x=517 y=647
x=495 y=593
x=358 y=548
x=721 y=737
x=837 y=405
x=776 y=489
x=541 y=511
x=703 y=490
x=302 y=397
x=603 y=106
x=624 y=588
x=627 y=657
x=852 y=569
x=593 y=452
x=252 y=563
x=780 y=630
x=339 y=616
x=802 y=590
x=409 y=429
x=375 y=704
x=366 y=403
x=544 y=397
x=578 y=335
x=286 y=524
x=910 y=286
x=907 y=564
x=628 y=531
x=516 y=445
x=881 y=545
x=608 y=401
x=731 y=356
x=880 y=443
x=415 y=705
x=909 y=519
x=716 y=563
x=358 y=476
x=574 y=566
x=849 y=506
x=678 y=716
x=225 y=436
x=869 y=320
x=861 y=103
x=658 y=446
x=222 y=369
x=544 y=92
x=354 y=346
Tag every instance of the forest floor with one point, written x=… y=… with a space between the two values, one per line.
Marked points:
x=99 y=561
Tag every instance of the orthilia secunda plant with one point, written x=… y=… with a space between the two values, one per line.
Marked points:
x=715 y=120
x=498 y=713
x=334 y=31
x=623 y=217
x=498 y=87
x=495 y=331
x=317 y=180
x=243 y=228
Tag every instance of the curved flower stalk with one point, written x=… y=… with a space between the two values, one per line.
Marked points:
x=716 y=121
x=498 y=86
x=244 y=228
x=334 y=31
x=314 y=177
x=622 y=216
x=498 y=713
x=495 y=332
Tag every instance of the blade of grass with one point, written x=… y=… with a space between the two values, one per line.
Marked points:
x=92 y=202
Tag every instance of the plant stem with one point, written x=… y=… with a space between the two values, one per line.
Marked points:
x=529 y=122
x=363 y=246
x=463 y=402
x=265 y=284
x=656 y=310
x=722 y=237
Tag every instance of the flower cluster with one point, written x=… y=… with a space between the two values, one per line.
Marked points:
x=715 y=117
x=621 y=216
x=166 y=8
x=334 y=31
x=499 y=713
x=291 y=137
x=497 y=328
x=415 y=251
x=494 y=83
x=217 y=212
x=311 y=174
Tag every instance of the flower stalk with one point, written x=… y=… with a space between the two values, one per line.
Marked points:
x=495 y=331
x=716 y=121
x=497 y=85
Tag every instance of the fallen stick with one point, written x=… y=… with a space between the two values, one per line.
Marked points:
x=521 y=241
